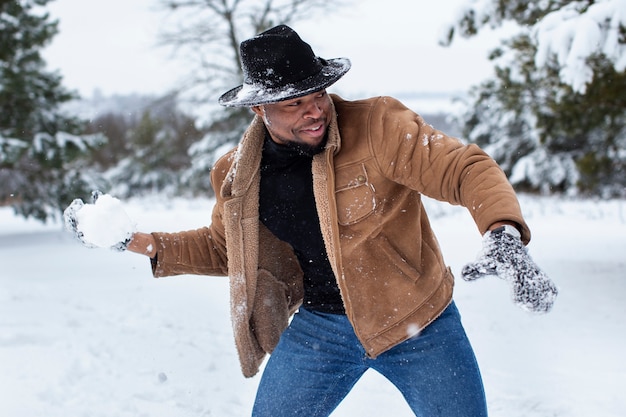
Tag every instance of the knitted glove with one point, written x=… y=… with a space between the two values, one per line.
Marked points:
x=103 y=224
x=505 y=256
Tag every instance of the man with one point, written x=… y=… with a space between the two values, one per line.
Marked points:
x=318 y=211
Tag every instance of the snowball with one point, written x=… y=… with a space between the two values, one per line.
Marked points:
x=104 y=223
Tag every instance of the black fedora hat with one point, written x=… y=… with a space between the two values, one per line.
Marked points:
x=278 y=65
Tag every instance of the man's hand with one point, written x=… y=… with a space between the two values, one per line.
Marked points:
x=505 y=256
x=103 y=224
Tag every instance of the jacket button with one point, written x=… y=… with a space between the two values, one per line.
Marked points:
x=361 y=178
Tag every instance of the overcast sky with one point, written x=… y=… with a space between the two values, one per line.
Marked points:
x=110 y=45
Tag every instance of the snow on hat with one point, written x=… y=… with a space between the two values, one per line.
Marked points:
x=278 y=65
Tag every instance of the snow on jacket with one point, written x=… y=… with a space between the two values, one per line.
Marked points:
x=380 y=158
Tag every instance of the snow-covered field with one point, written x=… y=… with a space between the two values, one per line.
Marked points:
x=88 y=332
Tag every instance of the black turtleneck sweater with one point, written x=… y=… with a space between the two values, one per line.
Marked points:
x=287 y=208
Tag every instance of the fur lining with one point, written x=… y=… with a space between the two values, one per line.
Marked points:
x=263 y=294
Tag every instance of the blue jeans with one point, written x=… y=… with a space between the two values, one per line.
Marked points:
x=319 y=359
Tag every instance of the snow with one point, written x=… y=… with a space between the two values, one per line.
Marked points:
x=88 y=332
x=104 y=223
x=574 y=36
x=572 y=33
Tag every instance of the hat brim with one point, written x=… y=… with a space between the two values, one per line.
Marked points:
x=251 y=95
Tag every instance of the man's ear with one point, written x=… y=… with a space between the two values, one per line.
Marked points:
x=258 y=110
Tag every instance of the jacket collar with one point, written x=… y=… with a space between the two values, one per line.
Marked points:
x=247 y=160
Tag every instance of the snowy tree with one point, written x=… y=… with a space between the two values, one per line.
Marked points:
x=554 y=113
x=148 y=141
x=41 y=164
x=208 y=34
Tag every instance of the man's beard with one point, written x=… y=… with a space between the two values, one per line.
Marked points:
x=305 y=149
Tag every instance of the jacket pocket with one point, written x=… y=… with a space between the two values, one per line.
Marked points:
x=397 y=260
x=355 y=195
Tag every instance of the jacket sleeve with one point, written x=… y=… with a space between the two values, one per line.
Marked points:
x=201 y=251
x=420 y=157
x=196 y=252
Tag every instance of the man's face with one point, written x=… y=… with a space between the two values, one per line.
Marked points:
x=299 y=122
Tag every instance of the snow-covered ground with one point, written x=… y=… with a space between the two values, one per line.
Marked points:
x=88 y=332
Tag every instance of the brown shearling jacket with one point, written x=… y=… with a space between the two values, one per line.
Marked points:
x=380 y=158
